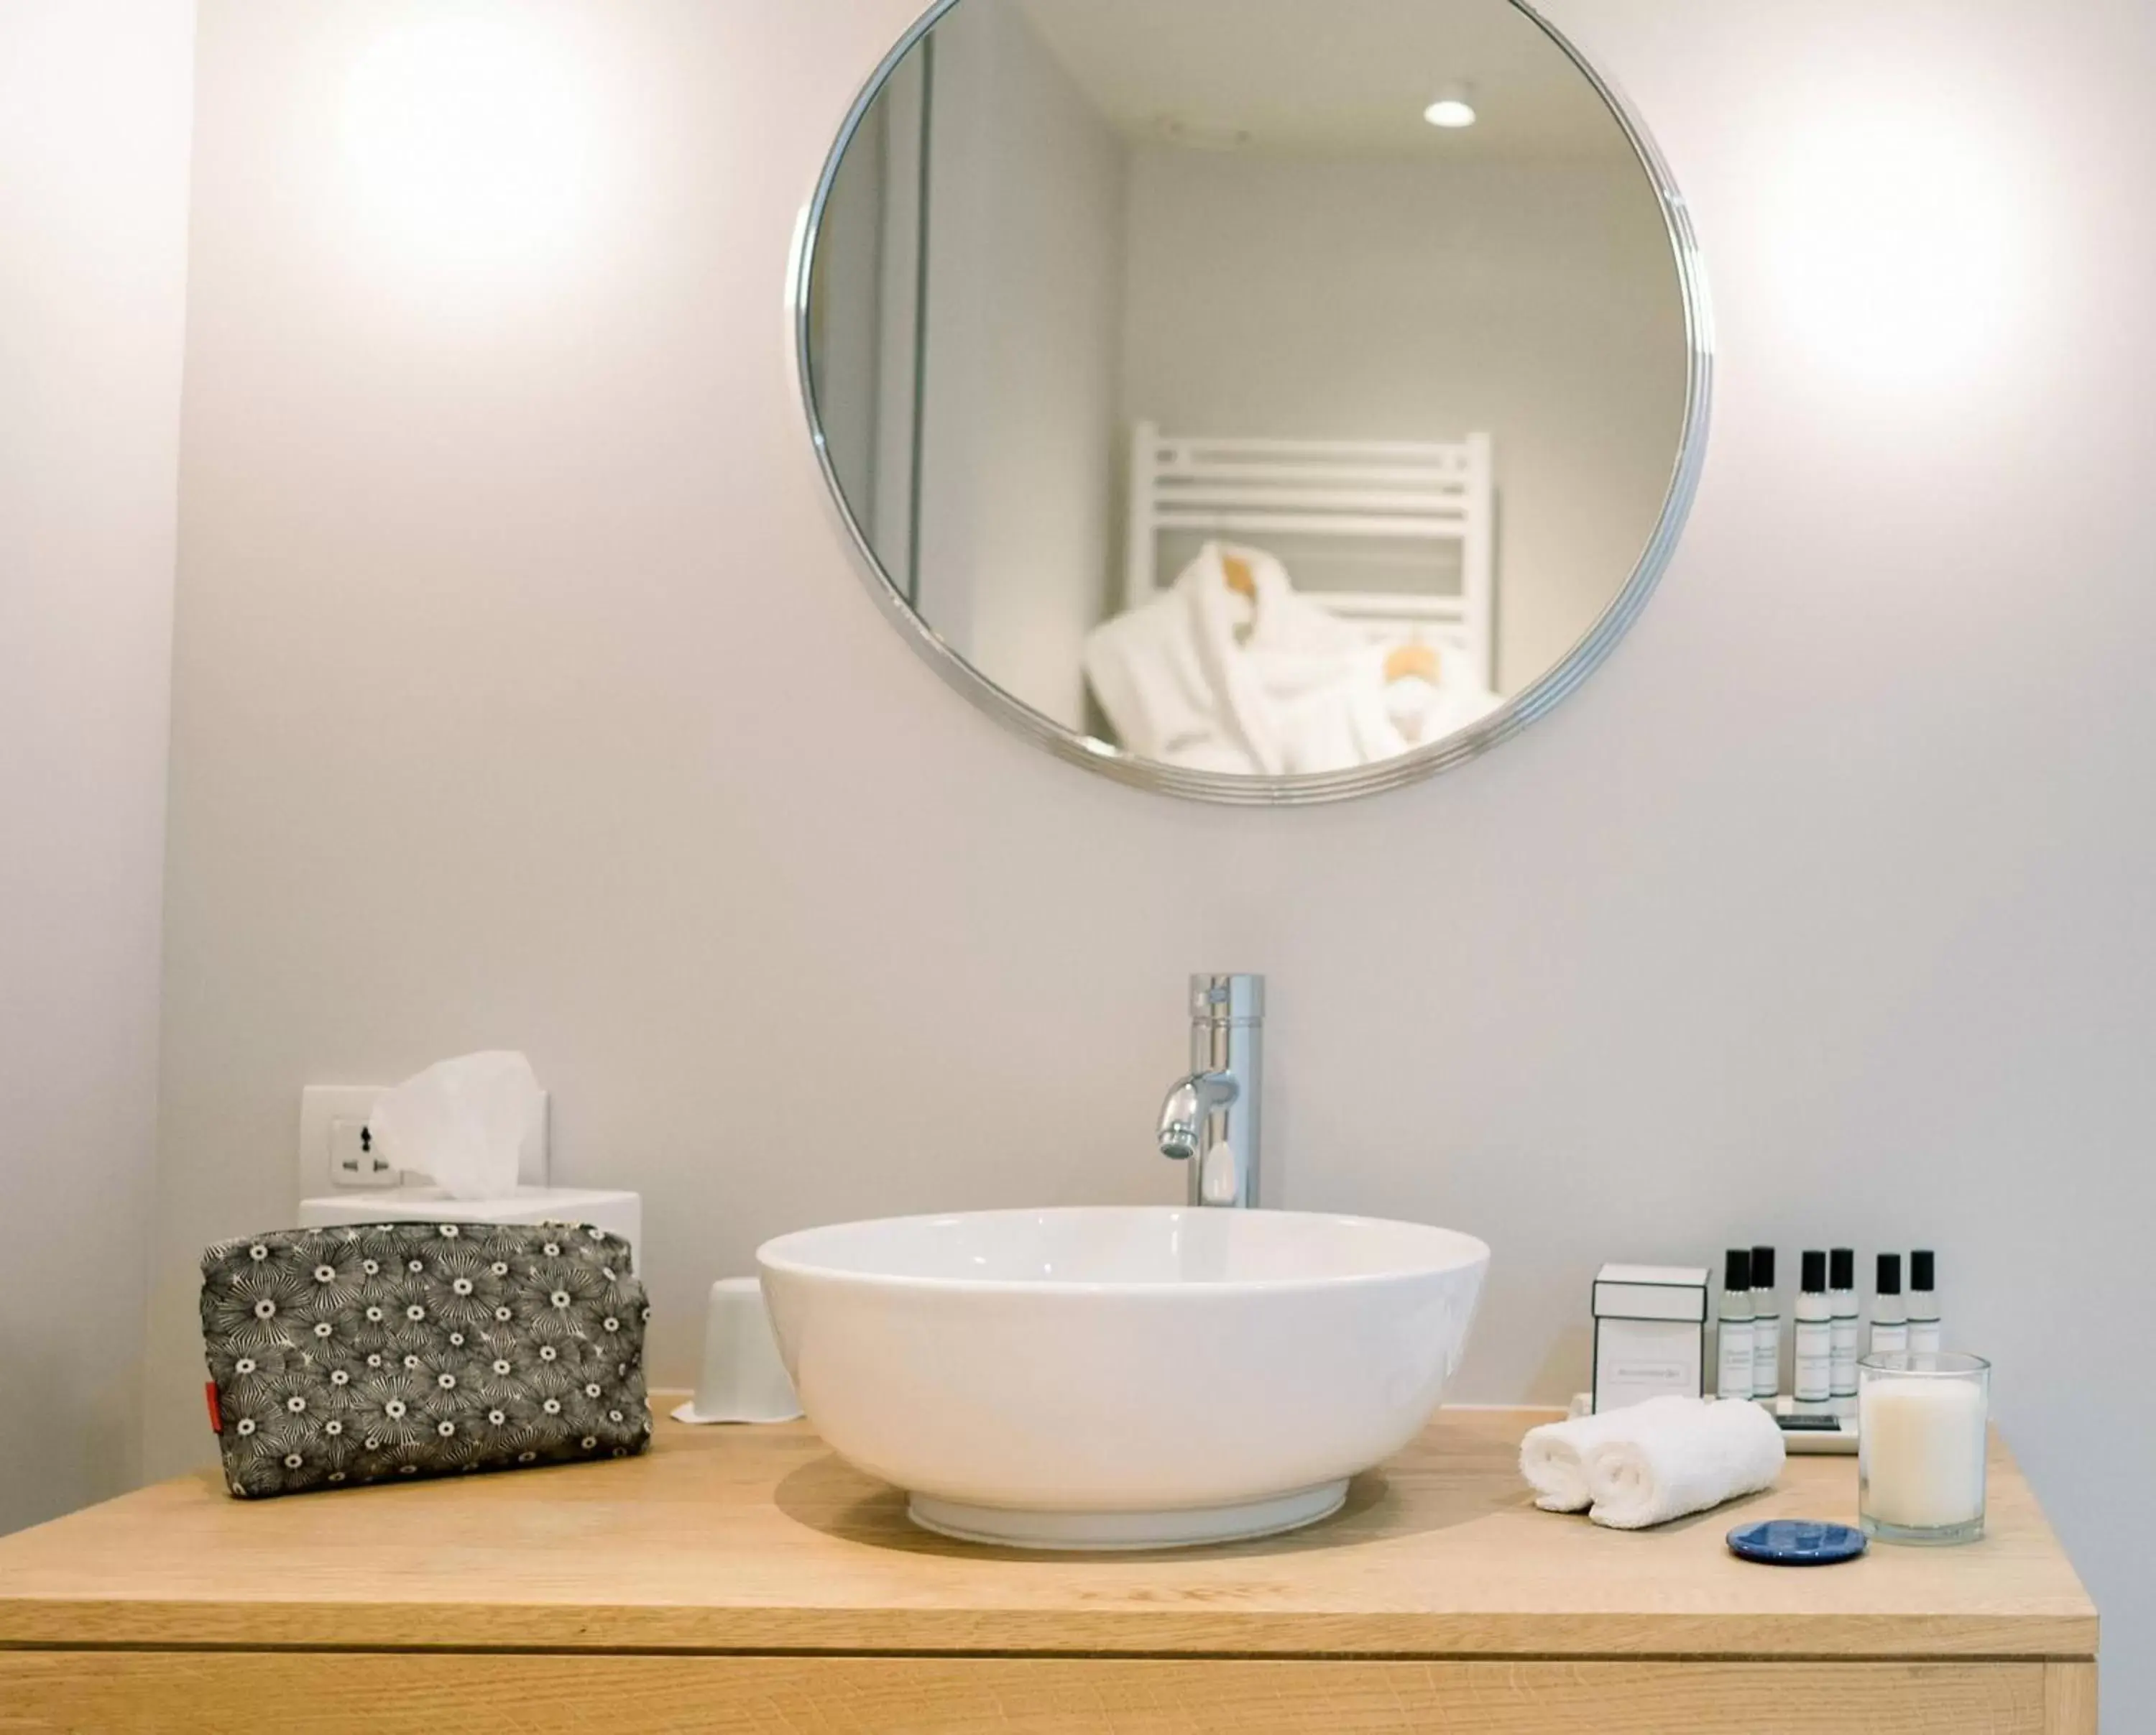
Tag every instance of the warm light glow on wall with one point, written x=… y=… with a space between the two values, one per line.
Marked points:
x=471 y=138
x=1903 y=247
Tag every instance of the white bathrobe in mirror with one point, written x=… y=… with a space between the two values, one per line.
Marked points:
x=1270 y=683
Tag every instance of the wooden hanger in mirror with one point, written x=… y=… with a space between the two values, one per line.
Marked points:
x=1420 y=660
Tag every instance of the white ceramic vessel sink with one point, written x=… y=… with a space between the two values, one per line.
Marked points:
x=1124 y=1377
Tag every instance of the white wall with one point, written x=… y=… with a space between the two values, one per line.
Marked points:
x=1820 y=913
x=94 y=116
x=1019 y=437
x=1404 y=299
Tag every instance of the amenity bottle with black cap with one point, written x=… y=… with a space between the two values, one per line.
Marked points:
x=1733 y=1378
x=1841 y=1285
x=1926 y=1339
x=1890 y=1326
x=1811 y=1370
x=1766 y=1327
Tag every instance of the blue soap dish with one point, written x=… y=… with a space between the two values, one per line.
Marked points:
x=1796 y=1542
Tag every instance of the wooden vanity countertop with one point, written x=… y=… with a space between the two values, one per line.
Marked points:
x=737 y=1540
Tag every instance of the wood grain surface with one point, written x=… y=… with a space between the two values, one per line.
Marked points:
x=2070 y=1699
x=760 y=1541
x=214 y=1693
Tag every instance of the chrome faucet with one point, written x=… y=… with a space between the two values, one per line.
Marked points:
x=1210 y=1119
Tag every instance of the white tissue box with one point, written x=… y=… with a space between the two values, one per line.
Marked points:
x=620 y=1214
x=1650 y=1333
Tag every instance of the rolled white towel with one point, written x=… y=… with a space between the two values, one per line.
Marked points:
x=1676 y=1463
x=1554 y=1457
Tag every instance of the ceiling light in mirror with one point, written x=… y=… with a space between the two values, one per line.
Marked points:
x=1454 y=108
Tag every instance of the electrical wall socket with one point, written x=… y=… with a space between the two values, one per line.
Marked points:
x=335 y=1148
x=338 y=1153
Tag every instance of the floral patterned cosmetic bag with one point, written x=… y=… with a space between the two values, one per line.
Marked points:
x=339 y=1356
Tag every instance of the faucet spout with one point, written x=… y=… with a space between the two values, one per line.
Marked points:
x=1210 y=1118
x=1188 y=1105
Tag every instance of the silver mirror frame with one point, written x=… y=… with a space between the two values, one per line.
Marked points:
x=1511 y=717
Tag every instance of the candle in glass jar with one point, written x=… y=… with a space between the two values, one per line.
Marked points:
x=1923 y=1446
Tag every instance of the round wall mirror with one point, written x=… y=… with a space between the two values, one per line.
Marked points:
x=1258 y=400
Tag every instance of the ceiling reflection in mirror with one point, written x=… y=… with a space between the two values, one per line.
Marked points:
x=1253 y=391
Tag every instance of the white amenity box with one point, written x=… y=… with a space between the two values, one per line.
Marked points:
x=620 y=1214
x=1650 y=1333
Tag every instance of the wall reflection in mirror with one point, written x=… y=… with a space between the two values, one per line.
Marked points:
x=1261 y=388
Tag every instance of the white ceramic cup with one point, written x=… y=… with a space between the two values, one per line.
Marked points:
x=743 y=1380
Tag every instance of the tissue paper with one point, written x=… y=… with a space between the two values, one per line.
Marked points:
x=461 y=1122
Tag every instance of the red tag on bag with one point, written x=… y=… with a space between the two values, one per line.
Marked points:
x=216 y=1415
